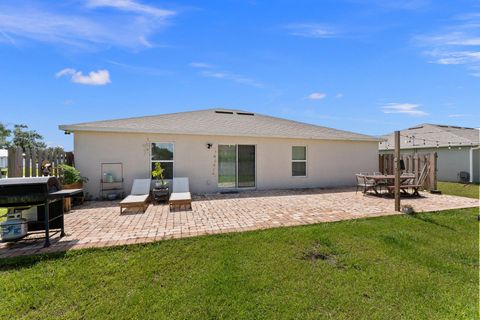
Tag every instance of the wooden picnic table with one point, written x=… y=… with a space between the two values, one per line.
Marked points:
x=387 y=177
x=388 y=180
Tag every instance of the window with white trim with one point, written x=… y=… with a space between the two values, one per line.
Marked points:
x=163 y=153
x=299 y=161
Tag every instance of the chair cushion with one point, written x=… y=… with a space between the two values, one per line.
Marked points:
x=135 y=199
x=180 y=196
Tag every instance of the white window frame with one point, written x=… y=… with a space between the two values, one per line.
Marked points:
x=306 y=161
x=172 y=161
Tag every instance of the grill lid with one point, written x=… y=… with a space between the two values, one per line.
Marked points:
x=27 y=191
x=25 y=181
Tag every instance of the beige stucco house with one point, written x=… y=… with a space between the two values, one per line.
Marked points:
x=222 y=150
x=457 y=148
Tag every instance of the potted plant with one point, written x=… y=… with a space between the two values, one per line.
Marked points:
x=71 y=177
x=407 y=209
x=157 y=173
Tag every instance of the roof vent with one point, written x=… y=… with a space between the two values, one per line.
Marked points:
x=223 y=112
x=245 y=114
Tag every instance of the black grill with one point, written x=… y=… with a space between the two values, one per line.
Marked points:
x=43 y=192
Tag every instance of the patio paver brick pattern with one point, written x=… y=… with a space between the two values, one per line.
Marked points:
x=99 y=223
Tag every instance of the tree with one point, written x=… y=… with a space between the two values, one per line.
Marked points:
x=26 y=138
x=4 y=134
x=57 y=149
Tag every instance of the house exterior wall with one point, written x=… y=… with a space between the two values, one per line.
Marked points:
x=3 y=158
x=449 y=162
x=329 y=163
x=3 y=162
x=476 y=165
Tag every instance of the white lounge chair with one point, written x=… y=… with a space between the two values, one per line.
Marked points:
x=139 y=195
x=180 y=193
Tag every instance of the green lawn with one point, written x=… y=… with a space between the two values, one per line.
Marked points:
x=399 y=267
x=459 y=189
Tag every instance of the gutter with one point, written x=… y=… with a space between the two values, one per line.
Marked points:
x=471 y=161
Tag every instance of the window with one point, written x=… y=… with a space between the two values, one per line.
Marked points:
x=163 y=153
x=299 y=161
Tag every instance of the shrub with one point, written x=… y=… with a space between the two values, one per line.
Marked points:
x=70 y=175
x=157 y=173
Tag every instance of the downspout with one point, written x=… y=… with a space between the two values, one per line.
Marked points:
x=471 y=161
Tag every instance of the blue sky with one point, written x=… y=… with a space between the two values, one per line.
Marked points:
x=369 y=66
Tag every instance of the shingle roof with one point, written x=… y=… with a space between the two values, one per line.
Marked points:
x=433 y=135
x=222 y=122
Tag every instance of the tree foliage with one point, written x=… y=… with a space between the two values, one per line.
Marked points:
x=22 y=137
x=4 y=134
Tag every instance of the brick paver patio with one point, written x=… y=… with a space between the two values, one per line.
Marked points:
x=99 y=224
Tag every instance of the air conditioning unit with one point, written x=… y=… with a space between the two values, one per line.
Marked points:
x=464 y=177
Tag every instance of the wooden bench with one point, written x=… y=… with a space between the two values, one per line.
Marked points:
x=404 y=188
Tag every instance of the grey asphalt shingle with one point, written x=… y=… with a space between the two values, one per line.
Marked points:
x=430 y=135
x=210 y=122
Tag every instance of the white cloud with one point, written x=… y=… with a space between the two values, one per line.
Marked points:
x=85 y=26
x=232 y=77
x=64 y=72
x=339 y=95
x=453 y=38
x=455 y=57
x=209 y=71
x=396 y=4
x=151 y=71
x=311 y=30
x=100 y=77
x=316 y=96
x=457 y=44
x=404 y=108
x=130 y=6
x=200 y=65
x=458 y=115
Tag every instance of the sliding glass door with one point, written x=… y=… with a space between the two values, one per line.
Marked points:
x=236 y=166
x=246 y=166
x=227 y=166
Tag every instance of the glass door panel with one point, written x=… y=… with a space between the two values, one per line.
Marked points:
x=246 y=166
x=227 y=166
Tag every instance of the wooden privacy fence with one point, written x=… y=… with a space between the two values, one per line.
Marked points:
x=422 y=165
x=29 y=162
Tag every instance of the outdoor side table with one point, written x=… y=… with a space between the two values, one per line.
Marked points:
x=160 y=195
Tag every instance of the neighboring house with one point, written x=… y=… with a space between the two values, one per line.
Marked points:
x=3 y=158
x=457 y=148
x=223 y=150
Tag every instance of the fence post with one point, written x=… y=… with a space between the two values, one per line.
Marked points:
x=26 y=163
x=433 y=171
x=15 y=162
x=397 y=170
x=10 y=162
x=380 y=163
x=69 y=159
